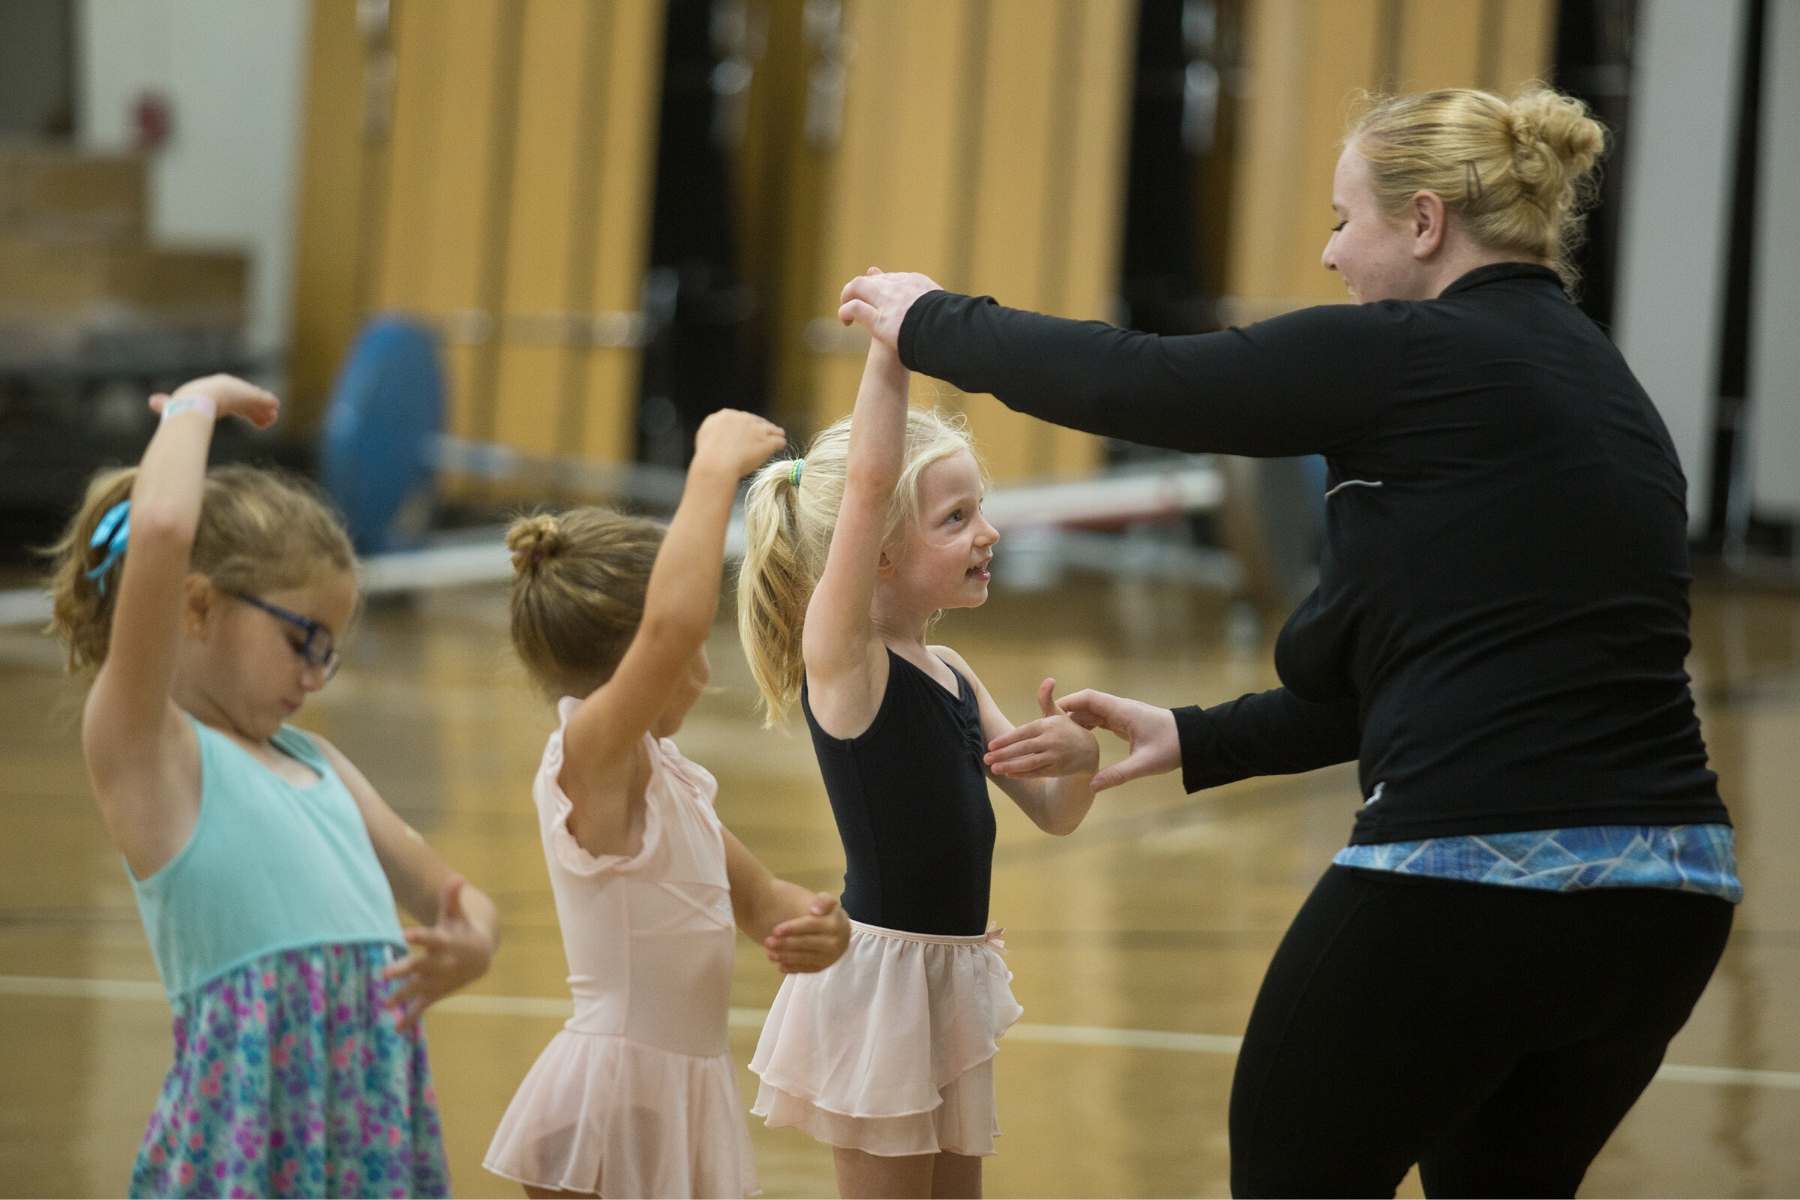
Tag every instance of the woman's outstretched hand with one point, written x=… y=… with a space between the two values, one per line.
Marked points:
x=1148 y=730
x=878 y=300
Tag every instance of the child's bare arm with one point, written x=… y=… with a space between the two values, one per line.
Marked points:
x=846 y=661
x=679 y=603
x=800 y=931
x=460 y=926
x=1047 y=765
x=139 y=752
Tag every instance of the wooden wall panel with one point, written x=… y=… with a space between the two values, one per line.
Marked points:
x=1523 y=42
x=1092 y=191
x=546 y=149
x=512 y=209
x=920 y=195
x=1014 y=206
x=853 y=224
x=1343 y=59
x=982 y=143
x=1306 y=65
x=441 y=215
x=1265 y=212
x=1440 y=44
x=537 y=302
x=408 y=211
x=603 y=425
x=331 y=215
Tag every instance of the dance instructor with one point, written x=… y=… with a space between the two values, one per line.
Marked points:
x=1540 y=879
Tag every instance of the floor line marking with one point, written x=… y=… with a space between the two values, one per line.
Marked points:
x=752 y=1018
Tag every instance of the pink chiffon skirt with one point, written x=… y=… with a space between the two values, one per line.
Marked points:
x=890 y=1050
x=599 y=1113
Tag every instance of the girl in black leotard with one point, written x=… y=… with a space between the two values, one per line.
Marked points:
x=887 y=1056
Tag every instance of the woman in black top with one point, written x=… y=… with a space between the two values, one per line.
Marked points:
x=1497 y=637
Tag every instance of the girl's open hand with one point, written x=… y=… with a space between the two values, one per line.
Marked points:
x=441 y=959
x=1049 y=747
x=233 y=396
x=811 y=942
x=736 y=441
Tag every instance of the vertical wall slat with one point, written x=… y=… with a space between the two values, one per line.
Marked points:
x=330 y=212
x=533 y=326
x=626 y=149
x=1440 y=44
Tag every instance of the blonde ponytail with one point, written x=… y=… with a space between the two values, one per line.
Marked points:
x=775 y=582
x=790 y=514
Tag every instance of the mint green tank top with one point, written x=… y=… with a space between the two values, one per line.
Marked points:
x=270 y=866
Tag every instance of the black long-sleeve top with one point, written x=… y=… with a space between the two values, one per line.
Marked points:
x=1501 y=621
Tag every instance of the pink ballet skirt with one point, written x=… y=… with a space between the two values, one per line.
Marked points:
x=890 y=1050
x=611 y=1115
x=636 y=1095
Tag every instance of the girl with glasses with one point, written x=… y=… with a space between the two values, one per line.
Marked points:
x=206 y=606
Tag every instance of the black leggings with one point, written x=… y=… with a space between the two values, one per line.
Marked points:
x=1494 y=1035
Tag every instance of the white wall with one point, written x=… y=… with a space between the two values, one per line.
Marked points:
x=1775 y=275
x=1675 y=220
x=232 y=72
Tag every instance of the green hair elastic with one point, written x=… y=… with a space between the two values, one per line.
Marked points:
x=794 y=471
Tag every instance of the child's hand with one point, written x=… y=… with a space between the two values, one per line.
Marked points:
x=738 y=442
x=443 y=958
x=1054 y=745
x=233 y=396
x=811 y=942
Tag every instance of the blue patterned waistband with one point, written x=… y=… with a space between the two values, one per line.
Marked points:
x=1684 y=858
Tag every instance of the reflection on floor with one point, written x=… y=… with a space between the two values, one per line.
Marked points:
x=1158 y=916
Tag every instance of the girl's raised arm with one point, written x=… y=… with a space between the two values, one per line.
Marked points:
x=846 y=661
x=679 y=602
x=130 y=724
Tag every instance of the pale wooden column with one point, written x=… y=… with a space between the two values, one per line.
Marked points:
x=983 y=143
x=510 y=209
x=1308 y=65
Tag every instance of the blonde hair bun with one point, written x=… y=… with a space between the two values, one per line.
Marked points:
x=1558 y=144
x=532 y=541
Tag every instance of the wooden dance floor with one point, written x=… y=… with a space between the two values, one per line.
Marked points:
x=1137 y=943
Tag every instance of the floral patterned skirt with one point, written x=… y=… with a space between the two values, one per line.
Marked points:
x=292 y=1079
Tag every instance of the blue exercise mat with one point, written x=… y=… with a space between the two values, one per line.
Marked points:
x=376 y=455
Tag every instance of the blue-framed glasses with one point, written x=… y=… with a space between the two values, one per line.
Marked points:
x=316 y=648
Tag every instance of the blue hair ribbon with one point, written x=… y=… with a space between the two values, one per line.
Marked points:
x=113 y=531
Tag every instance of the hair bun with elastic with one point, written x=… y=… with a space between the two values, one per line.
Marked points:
x=1558 y=143
x=532 y=541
